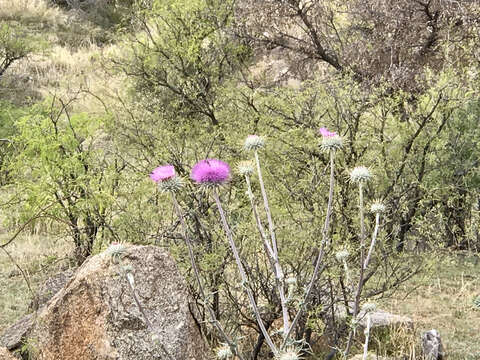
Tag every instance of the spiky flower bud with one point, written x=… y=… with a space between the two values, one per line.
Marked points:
x=245 y=168
x=331 y=143
x=377 y=207
x=254 y=142
x=369 y=307
x=342 y=255
x=289 y=355
x=224 y=352
x=173 y=184
x=360 y=174
x=116 y=251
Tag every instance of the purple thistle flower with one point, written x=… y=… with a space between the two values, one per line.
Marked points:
x=210 y=172
x=162 y=173
x=326 y=133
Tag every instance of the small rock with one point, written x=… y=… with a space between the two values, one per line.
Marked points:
x=382 y=319
x=432 y=345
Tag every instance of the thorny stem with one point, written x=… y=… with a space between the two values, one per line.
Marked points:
x=243 y=274
x=374 y=238
x=362 y=268
x=367 y=335
x=196 y=272
x=347 y=272
x=260 y=228
x=321 y=252
x=278 y=269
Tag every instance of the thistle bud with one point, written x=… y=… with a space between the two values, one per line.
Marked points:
x=377 y=207
x=369 y=307
x=224 y=352
x=342 y=255
x=360 y=174
x=245 y=168
x=289 y=355
x=254 y=142
x=291 y=281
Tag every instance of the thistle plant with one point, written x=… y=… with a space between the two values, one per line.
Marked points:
x=212 y=173
x=117 y=252
x=360 y=175
x=168 y=181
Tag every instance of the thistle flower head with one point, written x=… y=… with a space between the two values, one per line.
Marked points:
x=289 y=355
x=342 y=255
x=330 y=140
x=377 y=207
x=326 y=133
x=254 y=142
x=369 y=307
x=224 y=352
x=162 y=173
x=360 y=174
x=166 y=178
x=210 y=172
x=245 y=168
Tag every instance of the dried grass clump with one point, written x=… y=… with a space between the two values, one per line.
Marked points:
x=31 y=12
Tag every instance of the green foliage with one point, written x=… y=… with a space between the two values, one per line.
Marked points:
x=181 y=56
x=8 y=114
x=15 y=44
x=63 y=171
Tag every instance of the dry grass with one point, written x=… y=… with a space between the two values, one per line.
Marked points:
x=38 y=257
x=444 y=301
x=31 y=12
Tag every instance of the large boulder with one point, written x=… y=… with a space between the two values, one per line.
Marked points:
x=96 y=315
x=50 y=288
